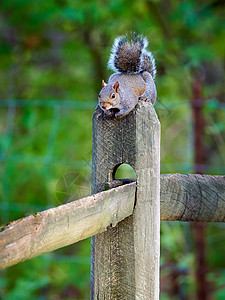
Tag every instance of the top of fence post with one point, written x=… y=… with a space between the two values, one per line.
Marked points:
x=125 y=258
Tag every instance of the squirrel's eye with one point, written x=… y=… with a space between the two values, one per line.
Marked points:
x=113 y=96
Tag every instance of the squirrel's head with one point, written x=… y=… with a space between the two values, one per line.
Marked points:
x=109 y=98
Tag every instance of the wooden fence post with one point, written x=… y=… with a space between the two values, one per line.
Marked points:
x=125 y=258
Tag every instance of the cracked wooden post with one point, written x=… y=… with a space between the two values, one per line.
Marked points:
x=125 y=258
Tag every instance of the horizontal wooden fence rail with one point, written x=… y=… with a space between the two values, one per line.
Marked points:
x=182 y=198
x=192 y=197
x=64 y=225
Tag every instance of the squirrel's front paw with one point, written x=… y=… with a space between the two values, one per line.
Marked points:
x=108 y=113
x=119 y=115
x=143 y=98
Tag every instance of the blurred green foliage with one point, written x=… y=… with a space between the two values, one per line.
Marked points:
x=58 y=49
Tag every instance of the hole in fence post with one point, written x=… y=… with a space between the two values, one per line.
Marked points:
x=123 y=171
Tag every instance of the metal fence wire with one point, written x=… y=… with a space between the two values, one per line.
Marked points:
x=45 y=153
x=55 y=114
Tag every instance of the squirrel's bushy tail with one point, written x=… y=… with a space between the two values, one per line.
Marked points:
x=129 y=55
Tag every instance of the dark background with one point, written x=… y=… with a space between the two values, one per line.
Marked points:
x=53 y=56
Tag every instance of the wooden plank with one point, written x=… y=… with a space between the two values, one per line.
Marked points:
x=64 y=225
x=125 y=259
x=183 y=198
x=192 y=197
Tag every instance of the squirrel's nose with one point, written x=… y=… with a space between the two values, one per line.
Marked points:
x=105 y=105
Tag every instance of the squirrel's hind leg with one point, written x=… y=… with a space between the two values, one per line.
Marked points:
x=150 y=93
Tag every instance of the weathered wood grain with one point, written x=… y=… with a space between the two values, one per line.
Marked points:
x=125 y=259
x=192 y=197
x=64 y=225
x=199 y=198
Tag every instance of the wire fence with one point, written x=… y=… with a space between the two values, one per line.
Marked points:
x=48 y=158
x=68 y=168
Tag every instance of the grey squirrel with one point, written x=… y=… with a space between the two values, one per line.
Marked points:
x=133 y=82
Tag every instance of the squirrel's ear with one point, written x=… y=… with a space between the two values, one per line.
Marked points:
x=103 y=83
x=116 y=86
